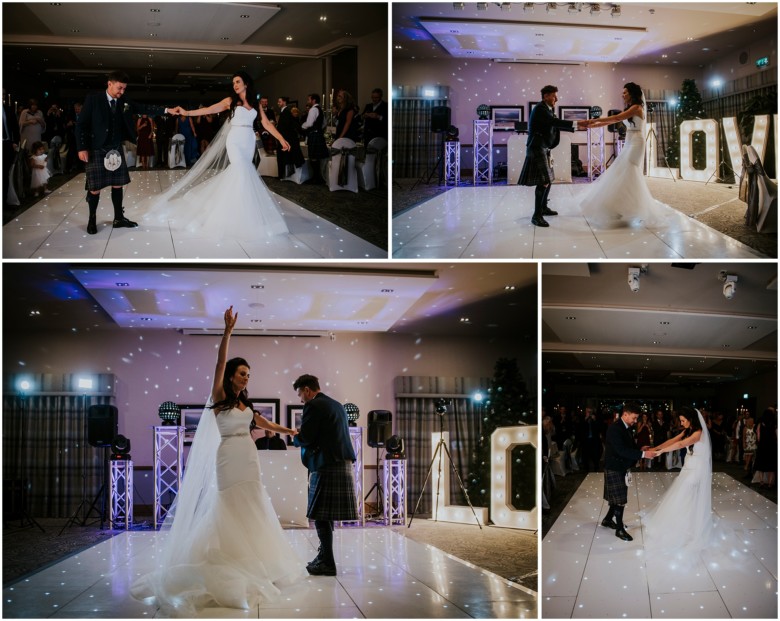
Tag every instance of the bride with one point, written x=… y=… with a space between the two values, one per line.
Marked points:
x=620 y=197
x=225 y=548
x=222 y=195
x=682 y=521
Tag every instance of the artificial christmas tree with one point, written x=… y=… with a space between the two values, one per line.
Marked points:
x=689 y=108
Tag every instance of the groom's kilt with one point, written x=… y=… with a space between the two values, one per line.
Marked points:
x=332 y=493
x=97 y=175
x=615 y=489
x=536 y=168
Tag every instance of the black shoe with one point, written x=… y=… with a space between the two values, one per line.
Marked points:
x=316 y=559
x=609 y=523
x=621 y=533
x=321 y=569
x=124 y=223
x=92 y=226
x=539 y=221
x=546 y=211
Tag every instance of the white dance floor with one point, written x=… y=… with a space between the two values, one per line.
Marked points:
x=495 y=222
x=56 y=228
x=381 y=575
x=588 y=572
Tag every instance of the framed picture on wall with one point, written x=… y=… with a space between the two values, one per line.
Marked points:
x=268 y=408
x=574 y=113
x=531 y=105
x=190 y=417
x=504 y=117
x=294 y=415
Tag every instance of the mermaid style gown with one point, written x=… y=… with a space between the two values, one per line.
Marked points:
x=238 y=554
x=620 y=197
x=233 y=204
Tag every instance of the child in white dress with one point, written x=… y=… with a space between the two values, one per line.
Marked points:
x=40 y=172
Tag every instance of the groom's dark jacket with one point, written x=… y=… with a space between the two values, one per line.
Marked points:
x=621 y=452
x=93 y=127
x=324 y=434
x=544 y=129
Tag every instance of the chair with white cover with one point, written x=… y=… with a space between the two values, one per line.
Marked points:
x=759 y=192
x=301 y=174
x=557 y=461
x=176 y=157
x=342 y=175
x=130 y=153
x=368 y=171
x=267 y=166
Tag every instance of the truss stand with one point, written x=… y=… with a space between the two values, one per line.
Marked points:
x=395 y=492
x=442 y=448
x=380 y=493
x=597 y=163
x=121 y=494
x=428 y=174
x=356 y=435
x=483 y=152
x=721 y=160
x=452 y=162
x=168 y=458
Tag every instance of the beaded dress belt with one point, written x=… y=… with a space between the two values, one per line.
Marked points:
x=237 y=125
x=234 y=435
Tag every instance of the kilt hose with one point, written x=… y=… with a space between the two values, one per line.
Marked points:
x=537 y=169
x=332 y=493
x=615 y=489
x=97 y=175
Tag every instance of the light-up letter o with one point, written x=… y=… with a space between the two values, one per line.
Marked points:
x=710 y=128
x=503 y=443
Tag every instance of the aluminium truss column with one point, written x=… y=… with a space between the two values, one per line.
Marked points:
x=168 y=455
x=395 y=492
x=452 y=162
x=483 y=152
x=597 y=162
x=121 y=493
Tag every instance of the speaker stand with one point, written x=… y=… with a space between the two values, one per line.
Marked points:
x=99 y=497
x=378 y=487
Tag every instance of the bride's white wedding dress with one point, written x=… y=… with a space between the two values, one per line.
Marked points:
x=221 y=202
x=620 y=197
x=683 y=522
x=232 y=552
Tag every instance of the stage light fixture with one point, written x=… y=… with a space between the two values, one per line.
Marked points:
x=716 y=83
x=528 y=7
x=353 y=413
x=505 y=6
x=729 y=284
x=482 y=6
x=395 y=448
x=552 y=7
x=169 y=412
x=478 y=396
x=120 y=448
x=458 y=6
x=595 y=112
x=633 y=279
x=441 y=406
x=574 y=7
x=483 y=112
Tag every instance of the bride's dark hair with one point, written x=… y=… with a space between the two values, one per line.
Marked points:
x=251 y=95
x=231 y=399
x=693 y=418
x=635 y=91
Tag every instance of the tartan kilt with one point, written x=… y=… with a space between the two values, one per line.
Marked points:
x=318 y=148
x=332 y=493
x=615 y=490
x=97 y=175
x=536 y=168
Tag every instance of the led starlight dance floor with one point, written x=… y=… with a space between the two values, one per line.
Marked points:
x=588 y=572
x=56 y=228
x=495 y=222
x=381 y=575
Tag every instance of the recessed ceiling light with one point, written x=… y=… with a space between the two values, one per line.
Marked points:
x=571 y=318
x=151 y=34
x=664 y=323
x=509 y=288
x=465 y=320
x=289 y=38
x=387 y=291
x=34 y=313
x=245 y=17
x=154 y=10
x=225 y=38
x=752 y=327
x=146 y=319
x=122 y=284
x=75 y=30
x=323 y=18
x=255 y=321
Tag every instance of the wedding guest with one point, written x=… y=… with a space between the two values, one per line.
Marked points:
x=375 y=117
x=346 y=124
x=32 y=124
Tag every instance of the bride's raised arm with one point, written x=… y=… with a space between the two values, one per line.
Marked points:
x=215 y=109
x=217 y=390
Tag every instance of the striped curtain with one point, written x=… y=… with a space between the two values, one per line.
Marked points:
x=415 y=147
x=45 y=448
x=416 y=420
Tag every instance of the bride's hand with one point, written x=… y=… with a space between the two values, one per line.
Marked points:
x=230 y=320
x=285 y=145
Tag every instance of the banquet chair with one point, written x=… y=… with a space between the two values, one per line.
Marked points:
x=342 y=176
x=368 y=171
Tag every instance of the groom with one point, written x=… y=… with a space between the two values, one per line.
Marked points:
x=326 y=450
x=621 y=453
x=544 y=134
x=106 y=120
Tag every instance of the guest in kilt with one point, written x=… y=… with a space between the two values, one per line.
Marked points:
x=315 y=137
x=621 y=453
x=544 y=134
x=326 y=450
x=106 y=120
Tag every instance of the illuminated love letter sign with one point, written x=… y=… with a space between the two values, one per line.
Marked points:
x=734 y=140
x=710 y=128
x=651 y=157
x=441 y=509
x=514 y=474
